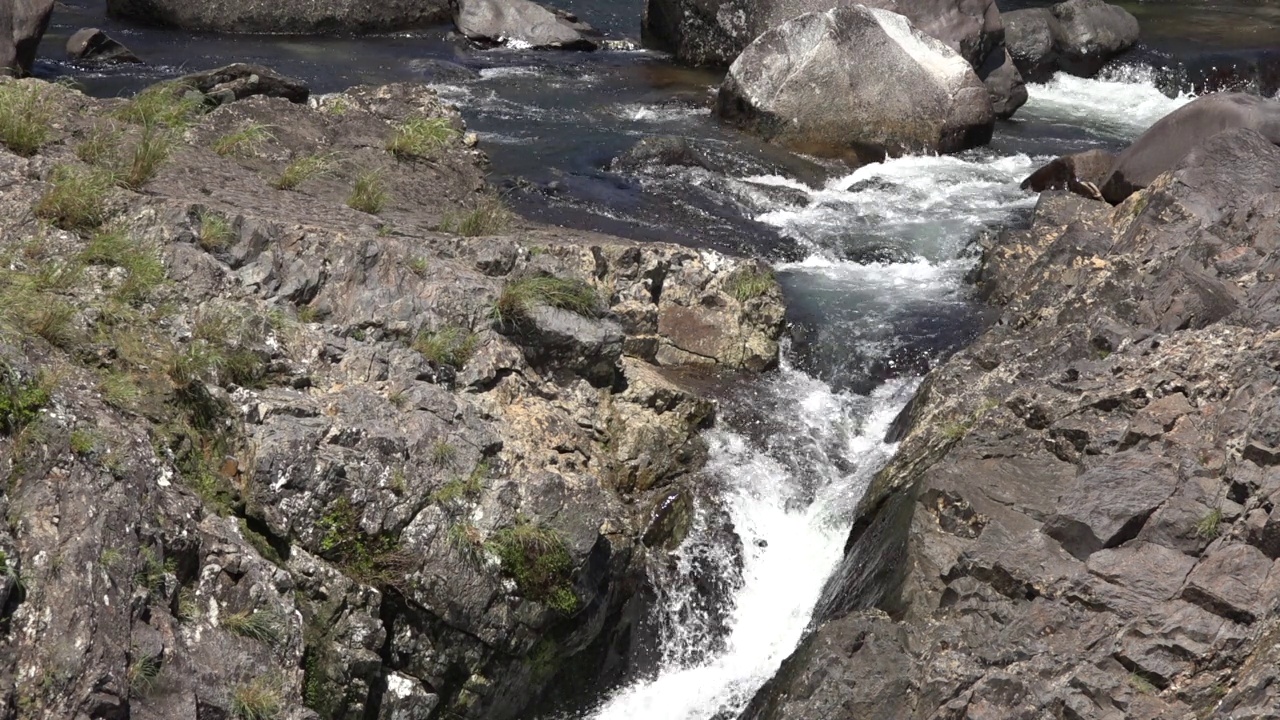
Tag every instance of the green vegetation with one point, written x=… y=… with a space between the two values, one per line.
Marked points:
x=151 y=150
x=419 y=265
x=421 y=138
x=519 y=297
x=263 y=626
x=448 y=346
x=82 y=442
x=468 y=541
x=221 y=348
x=110 y=558
x=368 y=194
x=260 y=543
x=188 y=605
x=167 y=104
x=26 y=118
x=76 y=198
x=487 y=216
x=378 y=561
x=442 y=453
x=33 y=302
x=216 y=232
x=461 y=488
x=144 y=271
x=1141 y=684
x=99 y=147
x=244 y=142
x=20 y=401
x=258 y=699
x=535 y=556
x=749 y=283
x=151 y=570
x=1210 y=526
x=302 y=169
x=142 y=673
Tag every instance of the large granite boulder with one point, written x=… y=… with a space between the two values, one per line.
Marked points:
x=523 y=23
x=856 y=81
x=93 y=46
x=306 y=17
x=1075 y=524
x=1076 y=36
x=22 y=24
x=1168 y=141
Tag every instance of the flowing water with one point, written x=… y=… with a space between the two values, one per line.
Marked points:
x=872 y=261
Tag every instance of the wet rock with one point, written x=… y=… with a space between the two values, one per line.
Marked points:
x=523 y=23
x=1168 y=141
x=1082 y=173
x=240 y=81
x=303 y=17
x=659 y=152
x=1004 y=82
x=1078 y=37
x=782 y=88
x=95 y=46
x=22 y=24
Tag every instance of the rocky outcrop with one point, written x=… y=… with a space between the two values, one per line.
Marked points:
x=1077 y=37
x=276 y=446
x=1076 y=521
x=307 y=17
x=22 y=24
x=832 y=83
x=524 y=24
x=240 y=81
x=91 y=45
x=1167 y=142
x=1082 y=173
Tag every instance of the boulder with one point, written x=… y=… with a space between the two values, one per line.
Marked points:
x=590 y=347
x=660 y=152
x=1167 y=142
x=836 y=83
x=1077 y=36
x=303 y=17
x=523 y=23
x=1004 y=83
x=239 y=81
x=714 y=32
x=95 y=46
x=22 y=24
x=1081 y=173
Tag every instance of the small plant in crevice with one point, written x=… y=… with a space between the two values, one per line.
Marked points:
x=368 y=195
x=20 y=400
x=261 y=543
x=449 y=346
x=82 y=442
x=519 y=297
x=371 y=559
x=1209 y=526
x=421 y=138
x=188 y=609
x=442 y=453
x=536 y=557
x=244 y=142
x=749 y=283
x=1141 y=684
x=150 y=152
x=216 y=232
x=462 y=488
x=467 y=540
x=26 y=118
x=302 y=169
x=144 y=270
x=419 y=266
x=261 y=625
x=151 y=570
x=142 y=673
x=488 y=215
x=75 y=199
x=258 y=699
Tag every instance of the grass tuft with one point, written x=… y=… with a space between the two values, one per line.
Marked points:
x=142 y=673
x=421 y=138
x=448 y=346
x=487 y=216
x=750 y=283
x=258 y=699
x=149 y=153
x=244 y=142
x=519 y=297
x=216 y=232
x=20 y=401
x=368 y=194
x=536 y=557
x=144 y=270
x=263 y=626
x=99 y=146
x=166 y=104
x=76 y=199
x=1210 y=526
x=26 y=118
x=301 y=170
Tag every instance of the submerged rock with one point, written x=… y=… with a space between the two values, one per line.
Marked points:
x=94 y=45
x=1170 y=139
x=1074 y=523
x=523 y=23
x=306 y=17
x=834 y=83
x=1077 y=36
x=22 y=24
x=661 y=152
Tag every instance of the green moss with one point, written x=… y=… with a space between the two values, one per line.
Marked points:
x=536 y=557
x=448 y=346
x=20 y=400
x=26 y=118
x=421 y=138
x=750 y=282
x=520 y=297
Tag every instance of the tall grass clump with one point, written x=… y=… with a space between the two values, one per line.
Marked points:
x=368 y=194
x=167 y=104
x=421 y=138
x=488 y=216
x=26 y=118
x=243 y=142
x=76 y=198
x=519 y=297
x=301 y=170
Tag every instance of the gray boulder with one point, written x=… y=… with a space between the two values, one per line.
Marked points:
x=239 y=81
x=1078 y=37
x=307 y=17
x=525 y=23
x=714 y=32
x=22 y=24
x=660 y=152
x=1166 y=143
x=856 y=81
x=1081 y=173
x=1004 y=83
x=95 y=46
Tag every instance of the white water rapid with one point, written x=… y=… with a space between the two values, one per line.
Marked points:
x=790 y=495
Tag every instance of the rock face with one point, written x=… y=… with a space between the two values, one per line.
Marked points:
x=833 y=83
x=307 y=17
x=22 y=24
x=1076 y=36
x=240 y=81
x=1004 y=83
x=1082 y=173
x=1165 y=143
x=268 y=455
x=523 y=23
x=1075 y=524
x=95 y=46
